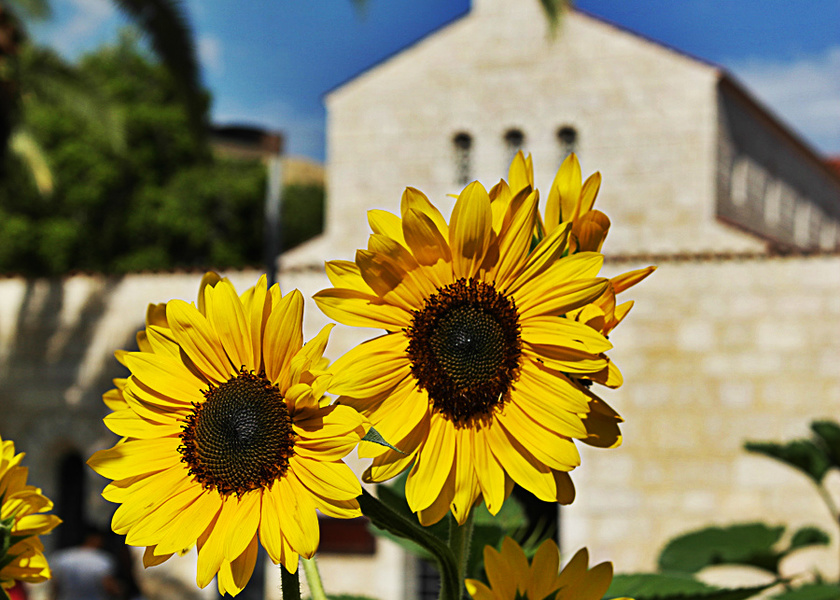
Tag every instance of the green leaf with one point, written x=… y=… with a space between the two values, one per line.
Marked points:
x=746 y=544
x=811 y=591
x=375 y=437
x=809 y=536
x=803 y=455
x=655 y=585
x=828 y=434
x=670 y=586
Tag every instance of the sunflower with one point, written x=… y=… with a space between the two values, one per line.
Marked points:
x=511 y=577
x=226 y=441
x=21 y=522
x=477 y=378
x=571 y=201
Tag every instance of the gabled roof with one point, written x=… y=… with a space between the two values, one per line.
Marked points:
x=726 y=81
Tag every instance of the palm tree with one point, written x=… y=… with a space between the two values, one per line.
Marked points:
x=162 y=21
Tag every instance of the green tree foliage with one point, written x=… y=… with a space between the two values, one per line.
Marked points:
x=159 y=200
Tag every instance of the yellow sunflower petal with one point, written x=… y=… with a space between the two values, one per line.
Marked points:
x=568 y=183
x=543 y=570
x=328 y=479
x=521 y=173
x=372 y=367
x=385 y=223
x=438 y=509
x=330 y=435
x=542 y=257
x=515 y=239
x=150 y=528
x=163 y=373
x=298 y=519
x=198 y=340
x=269 y=529
x=521 y=465
x=466 y=485
x=548 y=447
x=161 y=341
x=479 y=591
x=434 y=461
x=211 y=549
x=150 y=559
x=236 y=574
x=358 y=309
x=417 y=200
x=589 y=192
x=136 y=457
x=346 y=274
x=424 y=238
x=190 y=523
x=501 y=576
x=551 y=413
x=469 y=231
x=126 y=423
x=243 y=525
x=629 y=279
x=565 y=333
x=338 y=509
x=283 y=336
x=227 y=314
x=491 y=476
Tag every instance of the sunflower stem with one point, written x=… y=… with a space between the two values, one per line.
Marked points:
x=384 y=517
x=313 y=579
x=290 y=583
x=460 y=537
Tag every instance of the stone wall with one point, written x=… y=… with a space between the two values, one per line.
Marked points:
x=646 y=117
x=714 y=353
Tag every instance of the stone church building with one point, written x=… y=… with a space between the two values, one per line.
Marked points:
x=736 y=336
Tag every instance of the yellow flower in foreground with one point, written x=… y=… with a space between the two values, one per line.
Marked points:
x=476 y=381
x=21 y=522
x=570 y=203
x=511 y=577
x=225 y=440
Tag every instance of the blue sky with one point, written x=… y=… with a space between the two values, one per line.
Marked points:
x=269 y=62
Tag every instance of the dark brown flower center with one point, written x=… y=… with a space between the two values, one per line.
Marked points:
x=464 y=347
x=240 y=438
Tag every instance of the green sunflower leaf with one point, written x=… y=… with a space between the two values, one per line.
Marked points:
x=811 y=591
x=375 y=437
x=745 y=544
x=828 y=433
x=809 y=536
x=674 y=586
x=803 y=455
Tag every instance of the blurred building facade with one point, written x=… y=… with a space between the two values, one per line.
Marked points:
x=733 y=338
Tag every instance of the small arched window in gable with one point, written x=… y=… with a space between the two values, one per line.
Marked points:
x=567 y=138
x=462 y=144
x=514 y=141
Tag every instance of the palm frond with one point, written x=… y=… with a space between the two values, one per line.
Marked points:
x=45 y=76
x=170 y=36
x=554 y=12
x=26 y=148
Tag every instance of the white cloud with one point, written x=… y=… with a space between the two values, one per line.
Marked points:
x=805 y=92
x=87 y=18
x=210 y=53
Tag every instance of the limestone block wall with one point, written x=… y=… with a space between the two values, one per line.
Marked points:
x=713 y=354
x=645 y=115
